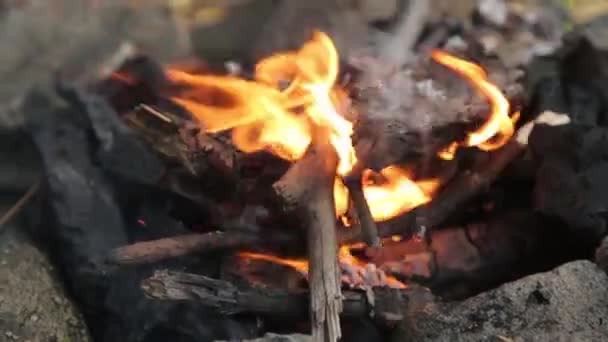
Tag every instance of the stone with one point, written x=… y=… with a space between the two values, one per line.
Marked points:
x=569 y=303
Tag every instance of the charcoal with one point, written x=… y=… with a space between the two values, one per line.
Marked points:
x=568 y=303
x=84 y=219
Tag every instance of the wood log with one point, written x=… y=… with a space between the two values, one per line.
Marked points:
x=386 y=305
x=307 y=188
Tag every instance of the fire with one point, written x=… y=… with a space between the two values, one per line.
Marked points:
x=295 y=91
x=395 y=195
x=299 y=265
x=276 y=112
x=355 y=271
x=499 y=127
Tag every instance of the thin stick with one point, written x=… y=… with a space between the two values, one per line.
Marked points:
x=21 y=203
x=369 y=230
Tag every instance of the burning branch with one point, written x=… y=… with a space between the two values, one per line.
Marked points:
x=367 y=225
x=468 y=184
x=307 y=187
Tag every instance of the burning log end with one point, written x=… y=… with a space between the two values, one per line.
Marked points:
x=468 y=184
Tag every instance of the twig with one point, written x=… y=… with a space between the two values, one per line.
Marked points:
x=369 y=230
x=21 y=203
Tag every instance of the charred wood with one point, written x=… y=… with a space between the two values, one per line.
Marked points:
x=388 y=306
x=170 y=136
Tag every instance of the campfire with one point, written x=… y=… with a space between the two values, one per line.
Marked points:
x=294 y=108
x=317 y=188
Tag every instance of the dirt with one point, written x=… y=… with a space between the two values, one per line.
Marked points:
x=33 y=305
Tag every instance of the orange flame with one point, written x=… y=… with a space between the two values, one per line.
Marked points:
x=396 y=195
x=291 y=92
x=295 y=90
x=345 y=257
x=499 y=127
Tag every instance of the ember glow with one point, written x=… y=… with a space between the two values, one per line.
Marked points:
x=355 y=272
x=499 y=127
x=276 y=111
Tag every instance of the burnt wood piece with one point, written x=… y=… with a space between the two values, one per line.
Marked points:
x=156 y=250
x=386 y=305
x=307 y=189
x=178 y=140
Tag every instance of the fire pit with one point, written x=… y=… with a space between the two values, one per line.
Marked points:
x=323 y=189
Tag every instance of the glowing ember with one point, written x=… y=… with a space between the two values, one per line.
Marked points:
x=356 y=272
x=499 y=127
x=299 y=265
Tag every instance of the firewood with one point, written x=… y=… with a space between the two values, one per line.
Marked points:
x=307 y=188
x=386 y=305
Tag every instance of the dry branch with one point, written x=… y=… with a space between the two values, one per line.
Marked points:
x=307 y=188
x=156 y=250
x=386 y=305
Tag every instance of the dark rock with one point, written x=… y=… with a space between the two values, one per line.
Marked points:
x=573 y=160
x=569 y=303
